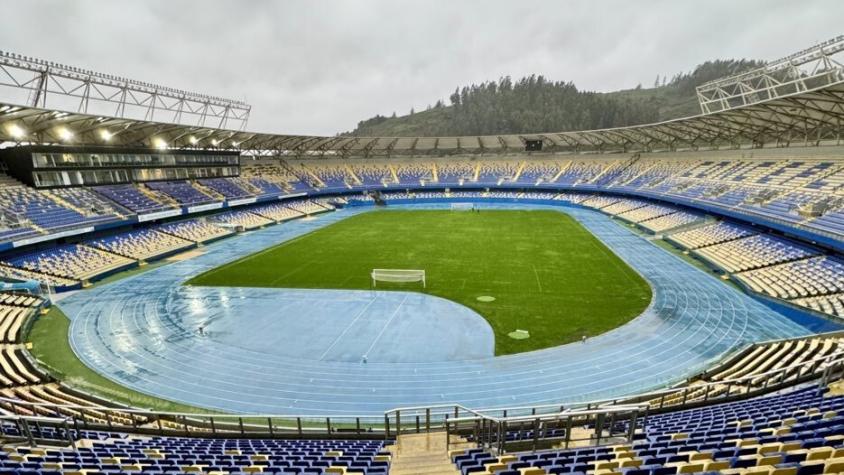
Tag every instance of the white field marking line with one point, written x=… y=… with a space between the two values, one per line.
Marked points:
x=384 y=328
x=345 y=330
x=536 y=274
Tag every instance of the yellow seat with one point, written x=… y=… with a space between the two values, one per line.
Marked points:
x=784 y=471
x=259 y=458
x=690 y=468
x=607 y=465
x=790 y=446
x=819 y=453
x=700 y=456
x=494 y=467
x=679 y=436
x=717 y=466
x=507 y=458
x=769 y=460
x=769 y=448
x=532 y=471
x=252 y=469
x=834 y=466
x=340 y=470
x=191 y=468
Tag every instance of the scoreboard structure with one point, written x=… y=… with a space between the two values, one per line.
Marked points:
x=57 y=166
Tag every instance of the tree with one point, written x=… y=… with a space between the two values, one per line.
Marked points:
x=534 y=104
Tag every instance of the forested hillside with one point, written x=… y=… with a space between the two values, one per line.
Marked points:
x=536 y=104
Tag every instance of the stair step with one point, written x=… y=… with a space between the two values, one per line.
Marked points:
x=422 y=454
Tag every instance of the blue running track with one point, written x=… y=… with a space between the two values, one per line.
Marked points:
x=299 y=352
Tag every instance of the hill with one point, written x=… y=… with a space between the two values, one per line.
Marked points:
x=535 y=104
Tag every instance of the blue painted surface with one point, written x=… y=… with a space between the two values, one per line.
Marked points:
x=141 y=332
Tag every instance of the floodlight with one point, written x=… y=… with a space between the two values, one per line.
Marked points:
x=16 y=132
x=105 y=134
x=158 y=142
x=65 y=134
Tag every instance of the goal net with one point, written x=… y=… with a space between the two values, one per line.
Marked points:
x=462 y=206
x=397 y=275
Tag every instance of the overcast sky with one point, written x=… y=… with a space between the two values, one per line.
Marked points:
x=318 y=67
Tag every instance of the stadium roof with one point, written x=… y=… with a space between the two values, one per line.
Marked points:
x=797 y=100
x=808 y=117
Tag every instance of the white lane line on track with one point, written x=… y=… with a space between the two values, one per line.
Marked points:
x=384 y=328
x=350 y=325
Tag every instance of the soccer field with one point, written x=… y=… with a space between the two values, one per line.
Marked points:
x=547 y=273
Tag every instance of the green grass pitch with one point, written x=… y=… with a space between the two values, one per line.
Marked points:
x=548 y=274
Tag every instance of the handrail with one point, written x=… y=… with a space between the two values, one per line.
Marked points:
x=39 y=419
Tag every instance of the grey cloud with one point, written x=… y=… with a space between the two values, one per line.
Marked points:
x=318 y=67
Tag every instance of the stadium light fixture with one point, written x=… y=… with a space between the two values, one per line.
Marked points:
x=193 y=140
x=106 y=135
x=16 y=131
x=214 y=142
x=65 y=134
x=158 y=142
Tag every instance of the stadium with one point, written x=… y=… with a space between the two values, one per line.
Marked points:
x=179 y=294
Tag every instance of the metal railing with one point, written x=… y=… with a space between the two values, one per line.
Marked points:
x=30 y=429
x=603 y=424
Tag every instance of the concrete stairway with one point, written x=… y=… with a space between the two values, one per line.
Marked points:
x=424 y=454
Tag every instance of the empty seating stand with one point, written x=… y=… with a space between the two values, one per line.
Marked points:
x=107 y=452
x=799 y=432
x=195 y=230
x=143 y=244
x=70 y=262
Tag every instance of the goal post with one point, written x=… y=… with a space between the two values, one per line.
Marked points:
x=462 y=206
x=398 y=275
